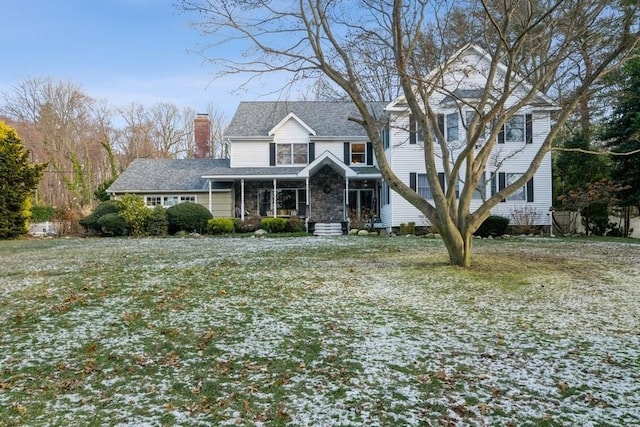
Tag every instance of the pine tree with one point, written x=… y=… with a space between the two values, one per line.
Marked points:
x=19 y=177
x=622 y=134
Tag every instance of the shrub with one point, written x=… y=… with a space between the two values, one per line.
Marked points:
x=250 y=224
x=294 y=225
x=157 y=224
x=273 y=225
x=42 y=213
x=67 y=222
x=189 y=217
x=220 y=225
x=113 y=224
x=135 y=212
x=494 y=225
x=90 y=222
x=409 y=228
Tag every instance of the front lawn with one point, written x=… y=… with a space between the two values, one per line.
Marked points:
x=311 y=331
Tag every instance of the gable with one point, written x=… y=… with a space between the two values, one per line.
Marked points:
x=463 y=78
x=292 y=124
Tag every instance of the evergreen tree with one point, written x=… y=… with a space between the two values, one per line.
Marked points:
x=622 y=134
x=19 y=177
x=574 y=170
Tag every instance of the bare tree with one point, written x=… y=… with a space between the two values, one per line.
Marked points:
x=135 y=139
x=65 y=128
x=169 y=131
x=220 y=147
x=530 y=43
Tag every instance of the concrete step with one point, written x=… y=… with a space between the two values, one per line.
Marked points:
x=328 y=229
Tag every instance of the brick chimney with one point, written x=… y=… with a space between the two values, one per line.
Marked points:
x=202 y=136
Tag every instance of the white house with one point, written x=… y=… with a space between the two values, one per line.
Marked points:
x=308 y=160
x=463 y=83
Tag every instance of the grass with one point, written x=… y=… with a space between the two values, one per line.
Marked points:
x=312 y=331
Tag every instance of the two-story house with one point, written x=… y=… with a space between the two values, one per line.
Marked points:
x=308 y=160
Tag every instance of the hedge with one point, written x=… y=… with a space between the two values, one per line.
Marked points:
x=189 y=217
x=220 y=225
x=273 y=225
x=494 y=225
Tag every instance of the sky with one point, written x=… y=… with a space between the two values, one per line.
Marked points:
x=121 y=51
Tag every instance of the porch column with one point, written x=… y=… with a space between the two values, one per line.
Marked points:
x=307 y=214
x=242 y=199
x=210 y=198
x=345 y=205
x=275 y=196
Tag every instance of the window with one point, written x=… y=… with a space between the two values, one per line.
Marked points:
x=170 y=200
x=420 y=184
x=384 y=135
x=518 y=128
x=152 y=201
x=452 y=127
x=292 y=154
x=514 y=129
x=480 y=191
x=523 y=194
x=416 y=131
x=289 y=202
x=358 y=153
x=424 y=190
x=469 y=115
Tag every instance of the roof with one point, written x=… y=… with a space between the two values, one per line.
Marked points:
x=167 y=175
x=257 y=118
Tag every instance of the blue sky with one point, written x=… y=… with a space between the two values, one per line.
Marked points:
x=120 y=50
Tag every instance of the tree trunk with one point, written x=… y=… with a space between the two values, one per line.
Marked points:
x=459 y=245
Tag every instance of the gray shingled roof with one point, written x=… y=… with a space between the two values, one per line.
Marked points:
x=167 y=175
x=325 y=118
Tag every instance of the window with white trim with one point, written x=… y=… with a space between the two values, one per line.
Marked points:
x=358 y=153
x=423 y=188
x=469 y=115
x=501 y=180
x=521 y=193
x=420 y=184
x=514 y=129
x=152 y=201
x=452 y=127
x=292 y=154
x=170 y=200
x=481 y=189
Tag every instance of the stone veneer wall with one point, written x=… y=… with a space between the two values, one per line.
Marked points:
x=326 y=207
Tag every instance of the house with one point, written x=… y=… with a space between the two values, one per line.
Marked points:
x=462 y=85
x=308 y=160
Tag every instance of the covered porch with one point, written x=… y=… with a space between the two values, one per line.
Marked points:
x=325 y=191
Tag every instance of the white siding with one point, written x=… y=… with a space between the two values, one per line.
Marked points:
x=406 y=158
x=335 y=148
x=291 y=132
x=249 y=154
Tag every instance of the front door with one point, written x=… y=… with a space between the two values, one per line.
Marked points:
x=362 y=204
